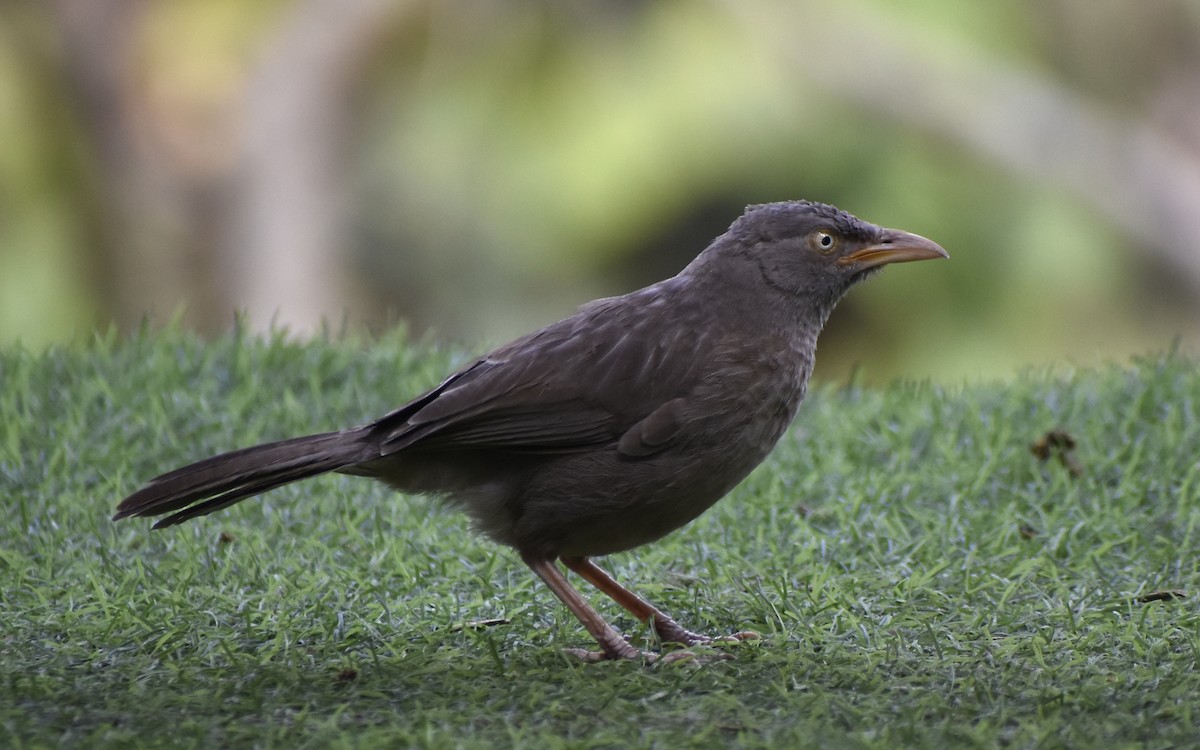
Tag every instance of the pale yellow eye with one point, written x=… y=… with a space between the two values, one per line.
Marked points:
x=823 y=242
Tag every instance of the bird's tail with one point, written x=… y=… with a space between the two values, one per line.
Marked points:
x=218 y=482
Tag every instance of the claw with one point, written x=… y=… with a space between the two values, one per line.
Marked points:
x=649 y=657
x=595 y=657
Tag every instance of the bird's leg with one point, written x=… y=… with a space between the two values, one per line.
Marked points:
x=612 y=644
x=667 y=629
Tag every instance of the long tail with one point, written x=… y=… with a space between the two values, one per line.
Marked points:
x=221 y=481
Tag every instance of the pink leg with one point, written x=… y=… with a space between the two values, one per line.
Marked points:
x=612 y=644
x=666 y=628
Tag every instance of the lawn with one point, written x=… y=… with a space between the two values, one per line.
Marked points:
x=928 y=565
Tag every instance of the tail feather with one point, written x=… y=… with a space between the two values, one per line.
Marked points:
x=221 y=481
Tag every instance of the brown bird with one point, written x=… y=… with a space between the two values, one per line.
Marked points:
x=605 y=430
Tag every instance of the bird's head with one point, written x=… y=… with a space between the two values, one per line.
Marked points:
x=816 y=252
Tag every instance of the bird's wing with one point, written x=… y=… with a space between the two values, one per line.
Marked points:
x=579 y=383
x=656 y=432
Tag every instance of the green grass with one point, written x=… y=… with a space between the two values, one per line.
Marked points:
x=919 y=577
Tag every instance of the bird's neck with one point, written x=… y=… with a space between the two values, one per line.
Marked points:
x=735 y=289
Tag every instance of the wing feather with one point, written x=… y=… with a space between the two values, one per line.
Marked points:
x=527 y=395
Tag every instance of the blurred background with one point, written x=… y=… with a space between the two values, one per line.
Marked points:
x=475 y=169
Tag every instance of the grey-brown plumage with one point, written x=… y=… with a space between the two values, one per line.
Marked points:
x=607 y=429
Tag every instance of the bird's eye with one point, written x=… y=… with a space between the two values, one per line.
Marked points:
x=823 y=242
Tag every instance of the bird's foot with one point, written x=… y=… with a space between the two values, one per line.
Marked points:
x=670 y=631
x=739 y=637
x=612 y=647
x=595 y=657
x=648 y=657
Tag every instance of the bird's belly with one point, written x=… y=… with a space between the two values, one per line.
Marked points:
x=600 y=503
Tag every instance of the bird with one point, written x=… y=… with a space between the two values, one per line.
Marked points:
x=608 y=429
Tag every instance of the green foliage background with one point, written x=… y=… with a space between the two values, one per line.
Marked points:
x=506 y=161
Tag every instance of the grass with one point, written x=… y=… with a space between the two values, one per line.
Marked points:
x=919 y=576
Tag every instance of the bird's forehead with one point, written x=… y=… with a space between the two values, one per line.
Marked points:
x=772 y=221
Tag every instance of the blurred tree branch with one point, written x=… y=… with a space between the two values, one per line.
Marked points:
x=152 y=229
x=249 y=219
x=286 y=249
x=1130 y=172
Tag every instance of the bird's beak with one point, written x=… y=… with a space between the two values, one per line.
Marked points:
x=894 y=247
